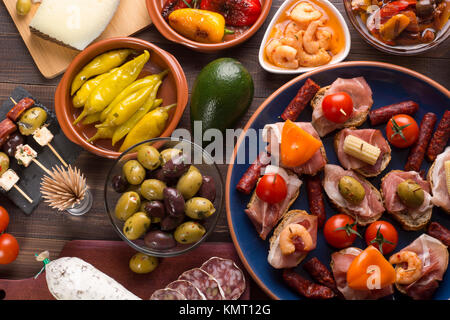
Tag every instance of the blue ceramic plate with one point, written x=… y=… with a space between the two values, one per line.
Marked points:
x=390 y=84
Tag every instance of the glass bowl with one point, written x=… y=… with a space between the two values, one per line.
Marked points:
x=196 y=156
x=409 y=50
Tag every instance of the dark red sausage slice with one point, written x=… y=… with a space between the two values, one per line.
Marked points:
x=301 y=100
x=439 y=232
x=19 y=108
x=250 y=177
x=306 y=288
x=417 y=152
x=383 y=114
x=440 y=137
x=315 y=199
x=320 y=273
x=6 y=128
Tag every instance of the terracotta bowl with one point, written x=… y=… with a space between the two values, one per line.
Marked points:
x=174 y=89
x=154 y=8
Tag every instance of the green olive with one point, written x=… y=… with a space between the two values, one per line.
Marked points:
x=136 y=225
x=23 y=7
x=4 y=163
x=31 y=120
x=199 y=208
x=135 y=188
x=127 y=204
x=149 y=157
x=351 y=190
x=190 y=182
x=142 y=263
x=134 y=172
x=152 y=189
x=189 y=232
x=168 y=154
x=410 y=193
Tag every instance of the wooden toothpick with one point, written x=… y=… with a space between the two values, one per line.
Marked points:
x=23 y=194
x=42 y=166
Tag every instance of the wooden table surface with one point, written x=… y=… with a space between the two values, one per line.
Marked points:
x=47 y=229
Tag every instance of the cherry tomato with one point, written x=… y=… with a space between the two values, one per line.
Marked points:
x=271 y=188
x=4 y=219
x=382 y=233
x=337 y=107
x=9 y=248
x=402 y=131
x=340 y=231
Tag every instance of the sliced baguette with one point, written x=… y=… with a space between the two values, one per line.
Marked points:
x=430 y=180
x=406 y=221
x=385 y=161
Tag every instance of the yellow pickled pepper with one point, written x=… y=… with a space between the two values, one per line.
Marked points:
x=110 y=87
x=100 y=64
x=80 y=98
x=150 y=126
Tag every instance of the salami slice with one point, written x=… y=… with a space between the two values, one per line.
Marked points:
x=187 y=289
x=228 y=274
x=167 y=294
x=204 y=282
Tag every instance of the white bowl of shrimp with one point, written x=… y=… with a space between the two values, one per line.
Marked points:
x=304 y=35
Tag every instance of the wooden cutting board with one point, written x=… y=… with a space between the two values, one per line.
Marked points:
x=52 y=59
x=112 y=257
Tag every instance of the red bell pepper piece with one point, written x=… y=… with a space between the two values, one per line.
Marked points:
x=393 y=8
x=237 y=13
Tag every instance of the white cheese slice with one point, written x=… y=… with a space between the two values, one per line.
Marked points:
x=43 y=136
x=8 y=179
x=75 y=23
x=25 y=154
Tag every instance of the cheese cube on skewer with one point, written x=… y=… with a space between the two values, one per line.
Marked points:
x=8 y=179
x=25 y=154
x=43 y=136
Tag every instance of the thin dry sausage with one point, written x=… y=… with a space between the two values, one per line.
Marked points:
x=439 y=232
x=315 y=199
x=306 y=288
x=383 y=114
x=19 y=108
x=301 y=100
x=440 y=137
x=250 y=177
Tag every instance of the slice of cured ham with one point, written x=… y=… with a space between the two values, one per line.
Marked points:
x=392 y=202
x=272 y=135
x=371 y=136
x=265 y=216
x=434 y=256
x=278 y=260
x=436 y=176
x=361 y=95
x=340 y=263
x=369 y=210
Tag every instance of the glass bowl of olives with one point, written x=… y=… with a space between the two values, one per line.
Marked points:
x=164 y=196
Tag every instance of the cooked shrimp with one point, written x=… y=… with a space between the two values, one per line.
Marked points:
x=324 y=36
x=293 y=42
x=304 y=13
x=291 y=29
x=285 y=57
x=316 y=38
x=289 y=233
x=270 y=48
x=312 y=60
x=413 y=270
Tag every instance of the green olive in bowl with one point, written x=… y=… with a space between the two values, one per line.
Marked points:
x=152 y=189
x=136 y=225
x=190 y=183
x=189 y=232
x=199 y=208
x=128 y=203
x=149 y=157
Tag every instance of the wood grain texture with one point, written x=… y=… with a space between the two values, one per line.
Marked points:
x=47 y=229
x=53 y=59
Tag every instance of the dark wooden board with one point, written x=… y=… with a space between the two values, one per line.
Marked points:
x=47 y=229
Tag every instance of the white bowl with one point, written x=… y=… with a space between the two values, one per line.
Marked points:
x=337 y=58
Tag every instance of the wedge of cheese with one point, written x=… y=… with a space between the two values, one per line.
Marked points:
x=73 y=23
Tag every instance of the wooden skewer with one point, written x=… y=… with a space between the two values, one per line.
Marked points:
x=23 y=194
x=49 y=145
x=42 y=167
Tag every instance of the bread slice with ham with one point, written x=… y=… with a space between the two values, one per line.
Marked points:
x=409 y=218
x=276 y=258
x=340 y=263
x=361 y=95
x=438 y=181
x=272 y=135
x=369 y=210
x=371 y=136
x=264 y=215
x=434 y=256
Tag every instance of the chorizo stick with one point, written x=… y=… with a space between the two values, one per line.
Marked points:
x=6 y=128
x=305 y=287
x=250 y=177
x=315 y=199
x=19 y=108
x=319 y=272
x=383 y=114
x=417 y=152
x=439 y=232
x=440 y=137
x=301 y=100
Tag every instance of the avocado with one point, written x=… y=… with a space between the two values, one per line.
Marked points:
x=222 y=93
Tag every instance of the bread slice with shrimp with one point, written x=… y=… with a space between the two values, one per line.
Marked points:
x=276 y=258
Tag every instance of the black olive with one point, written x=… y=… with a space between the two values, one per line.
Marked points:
x=424 y=8
x=10 y=146
x=119 y=184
